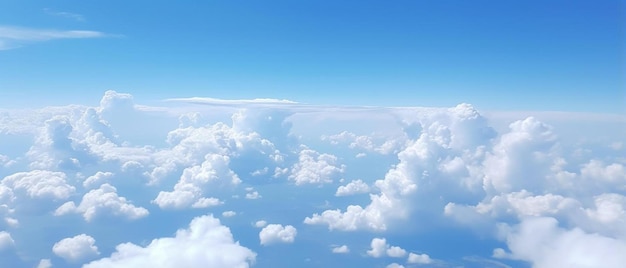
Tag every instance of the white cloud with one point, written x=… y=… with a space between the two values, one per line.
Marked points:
x=341 y=249
x=6 y=241
x=205 y=202
x=77 y=248
x=521 y=159
x=396 y=252
x=206 y=243
x=354 y=187
x=44 y=263
x=64 y=14
x=40 y=184
x=419 y=258
x=380 y=248
x=195 y=180
x=260 y=224
x=228 y=214
x=97 y=179
x=231 y=102
x=100 y=201
x=543 y=243
x=253 y=195
x=276 y=233
x=13 y=37
x=395 y=265
x=315 y=168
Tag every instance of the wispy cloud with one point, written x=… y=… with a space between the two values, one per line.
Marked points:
x=14 y=37
x=69 y=15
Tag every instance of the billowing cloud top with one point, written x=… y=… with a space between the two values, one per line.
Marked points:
x=124 y=184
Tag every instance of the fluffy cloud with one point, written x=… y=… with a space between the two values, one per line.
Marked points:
x=395 y=265
x=380 y=248
x=206 y=243
x=419 y=258
x=260 y=224
x=354 y=187
x=315 y=168
x=366 y=142
x=97 y=179
x=228 y=214
x=276 y=233
x=341 y=249
x=442 y=154
x=44 y=263
x=194 y=181
x=77 y=248
x=40 y=184
x=6 y=241
x=543 y=243
x=100 y=201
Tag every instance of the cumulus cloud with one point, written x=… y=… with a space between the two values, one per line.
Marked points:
x=40 y=184
x=543 y=243
x=100 y=201
x=206 y=243
x=419 y=258
x=276 y=233
x=6 y=241
x=354 y=187
x=315 y=168
x=194 y=181
x=341 y=249
x=77 y=248
x=380 y=248
x=44 y=263
x=97 y=179
x=395 y=265
x=228 y=214
x=260 y=224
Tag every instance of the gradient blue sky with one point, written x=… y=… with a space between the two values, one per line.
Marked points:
x=520 y=55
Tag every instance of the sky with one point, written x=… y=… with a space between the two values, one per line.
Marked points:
x=525 y=55
x=312 y=134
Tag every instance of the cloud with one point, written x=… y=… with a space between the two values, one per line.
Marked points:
x=253 y=195
x=419 y=258
x=352 y=188
x=380 y=248
x=194 y=181
x=97 y=178
x=248 y=103
x=14 y=37
x=395 y=265
x=276 y=233
x=315 y=168
x=206 y=243
x=77 y=248
x=228 y=214
x=40 y=184
x=100 y=201
x=44 y=263
x=260 y=224
x=341 y=249
x=63 y=14
x=543 y=243
x=6 y=241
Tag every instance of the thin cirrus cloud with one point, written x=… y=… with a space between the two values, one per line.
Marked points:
x=64 y=14
x=14 y=37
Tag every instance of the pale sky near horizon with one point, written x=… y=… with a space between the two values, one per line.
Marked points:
x=527 y=55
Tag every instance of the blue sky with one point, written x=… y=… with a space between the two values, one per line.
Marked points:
x=526 y=55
